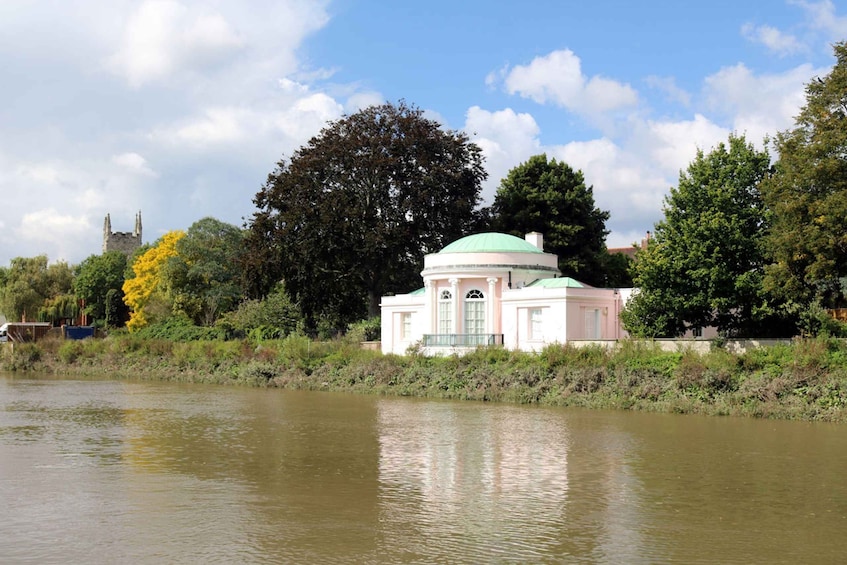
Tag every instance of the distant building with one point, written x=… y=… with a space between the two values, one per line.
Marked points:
x=632 y=249
x=125 y=242
x=497 y=289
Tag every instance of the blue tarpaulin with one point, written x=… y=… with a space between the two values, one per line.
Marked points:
x=78 y=332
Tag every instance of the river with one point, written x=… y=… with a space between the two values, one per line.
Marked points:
x=145 y=472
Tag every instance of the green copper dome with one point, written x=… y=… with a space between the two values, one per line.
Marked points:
x=560 y=282
x=490 y=243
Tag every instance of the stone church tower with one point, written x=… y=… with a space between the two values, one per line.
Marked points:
x=126 y=242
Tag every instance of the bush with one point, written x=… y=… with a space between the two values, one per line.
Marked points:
x=274 y=317
x=22 y=357
x=365 y=330
x=178 y=328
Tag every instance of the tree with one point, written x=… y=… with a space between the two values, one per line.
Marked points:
x=97 y=282
x=274 y=316
x=203 y=278
x=30 y=283
x=808 y=196
x=705 y=264
x=551 y=198
x=144 y=293
x=350 y=216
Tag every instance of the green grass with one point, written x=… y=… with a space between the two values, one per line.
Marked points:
x=803 y=380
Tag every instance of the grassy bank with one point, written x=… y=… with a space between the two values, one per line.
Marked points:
x=804 y=380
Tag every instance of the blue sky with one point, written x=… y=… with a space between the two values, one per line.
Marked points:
x=181 y=108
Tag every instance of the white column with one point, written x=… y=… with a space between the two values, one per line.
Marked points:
x=454 y=291
x=430 y=308
x=490 y=326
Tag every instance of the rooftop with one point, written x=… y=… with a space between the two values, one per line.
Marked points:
x=560 y=282
x=491 y=243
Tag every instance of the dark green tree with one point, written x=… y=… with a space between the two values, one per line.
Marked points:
x=95 y=278
x=204 y=278
x=350 y=216
x=551 y=198
x=808 y=196
x=705 y=263
x=30 y=284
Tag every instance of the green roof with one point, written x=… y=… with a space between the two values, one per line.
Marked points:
x=418 y=292
x=490 y=242
x=560 y=282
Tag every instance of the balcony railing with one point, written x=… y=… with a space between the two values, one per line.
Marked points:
x=461 y=340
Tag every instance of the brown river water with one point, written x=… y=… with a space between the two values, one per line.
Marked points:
x=140 y=472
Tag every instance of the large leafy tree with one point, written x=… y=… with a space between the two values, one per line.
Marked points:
x=97 y=282
x=203 y=278
x=31 y=285
x=350 y=216
x=808 y=196
x=705 y=264
x=146 y=293
x=551 y=198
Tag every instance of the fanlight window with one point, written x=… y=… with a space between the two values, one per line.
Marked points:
x=445 y=312
x=474 y=312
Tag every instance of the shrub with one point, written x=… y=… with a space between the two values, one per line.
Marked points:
x=365 y=330
x=178 y=328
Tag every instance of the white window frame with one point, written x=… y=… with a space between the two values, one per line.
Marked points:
x=535 y=320
x=405 y=325
x=445 y=312
x=474 y=312
x=593 y=326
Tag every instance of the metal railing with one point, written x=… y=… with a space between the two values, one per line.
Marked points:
x=461 y=340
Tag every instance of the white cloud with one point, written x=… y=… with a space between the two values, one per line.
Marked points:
x=166 y=39
x=758 y=105
x=557 y=78
x=216 y=126
x=671 y=145
x=305 y=117
x=822 y=17
x=361 y=100
x=506 y=138
x=49 y=228
x=134 y=163
x=775 y=40
x=668 y=85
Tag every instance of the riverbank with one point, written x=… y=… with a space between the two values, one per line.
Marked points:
x=806 y=379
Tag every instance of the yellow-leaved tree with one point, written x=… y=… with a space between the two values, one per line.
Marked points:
x=147 y=282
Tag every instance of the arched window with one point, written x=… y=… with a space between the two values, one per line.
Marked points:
x=445 y=312
x=475 y=312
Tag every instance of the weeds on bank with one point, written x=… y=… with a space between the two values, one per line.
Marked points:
x=806 y=379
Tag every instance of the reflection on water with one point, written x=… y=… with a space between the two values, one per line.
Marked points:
x=106 y=472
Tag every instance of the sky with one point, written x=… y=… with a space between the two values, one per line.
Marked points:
x=181 y=109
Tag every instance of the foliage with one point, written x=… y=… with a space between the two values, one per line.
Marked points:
x=804 y=378
x=60 y=309
x=177 y=328
x=617 y=270
x=350 y=216
x=551 y=198
x=808 y=195
x=272 y=317
x=97 y=282
x=145 y=292
x=30 y=283
x=705 y=264
x=365 y=330
x=203 y=278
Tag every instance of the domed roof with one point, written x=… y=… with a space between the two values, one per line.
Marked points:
x=490 y=243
